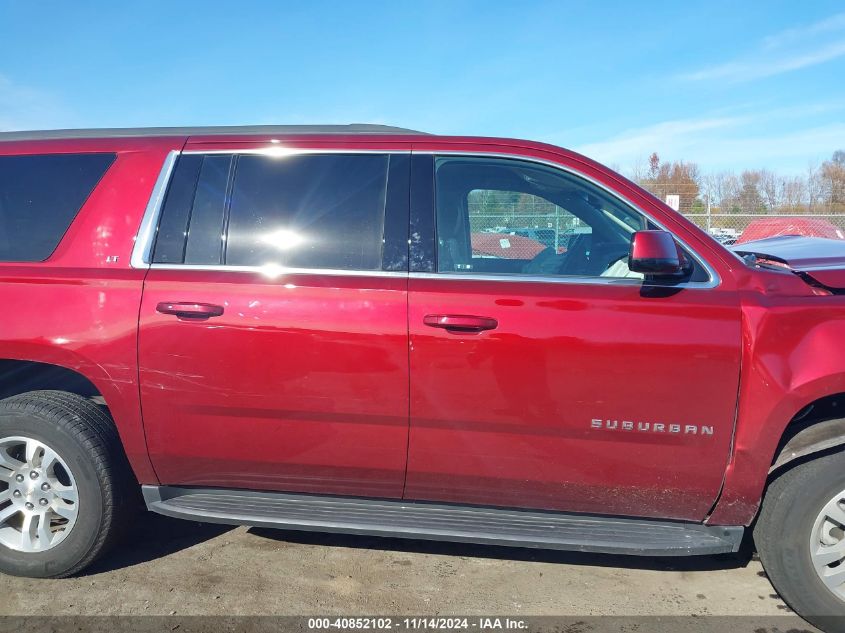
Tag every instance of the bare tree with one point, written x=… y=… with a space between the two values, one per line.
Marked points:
x=793 y=194
x=820 y=189
x=769 y=190
x=727 y=190
x=815 y=197
x=639 y=169
x=750 y=200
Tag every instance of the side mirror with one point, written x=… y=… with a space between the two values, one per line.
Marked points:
x=656 y=253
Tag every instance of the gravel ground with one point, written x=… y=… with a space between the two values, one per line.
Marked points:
x=178 y=568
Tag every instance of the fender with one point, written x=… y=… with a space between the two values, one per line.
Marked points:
x=790 y=360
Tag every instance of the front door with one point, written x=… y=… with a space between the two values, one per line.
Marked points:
x=544 y=373
x=273 y=328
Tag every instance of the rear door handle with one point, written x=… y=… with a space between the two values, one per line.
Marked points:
x=189 y=310
x=460 y=322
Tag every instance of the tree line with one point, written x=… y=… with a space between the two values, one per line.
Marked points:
x=820 y=189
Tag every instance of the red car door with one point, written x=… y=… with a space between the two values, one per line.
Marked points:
x=560 y=379
x=273 y=328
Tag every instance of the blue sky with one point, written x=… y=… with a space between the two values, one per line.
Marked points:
x=725 y=84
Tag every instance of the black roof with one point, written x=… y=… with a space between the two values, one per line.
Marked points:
x=280 y=130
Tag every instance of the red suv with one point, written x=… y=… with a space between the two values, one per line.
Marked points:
x=290 y=327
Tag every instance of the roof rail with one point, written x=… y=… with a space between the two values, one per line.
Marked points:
x=129 y=132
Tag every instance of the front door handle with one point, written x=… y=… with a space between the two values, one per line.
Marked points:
x=460 y=322
x=189 y=310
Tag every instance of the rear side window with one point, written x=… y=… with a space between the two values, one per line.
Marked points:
x=173 y=228
x=319 y=211
x=40 y=196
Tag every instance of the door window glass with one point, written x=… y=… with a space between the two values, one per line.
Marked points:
x=205 y=243
x=504 y=216
x=321 y=211
x=192 y=225
x=173 y=227
x=310 y=211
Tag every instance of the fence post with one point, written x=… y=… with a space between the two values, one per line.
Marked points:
x=709 y=219
x=557 y=230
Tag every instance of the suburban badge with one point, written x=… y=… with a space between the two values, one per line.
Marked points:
x=651 y=427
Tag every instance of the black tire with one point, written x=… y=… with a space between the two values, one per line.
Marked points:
x=84 y=435
x=782 y=536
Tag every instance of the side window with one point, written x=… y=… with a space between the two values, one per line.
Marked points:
x=312 y=211
x=40 y=196
x=173 y=227
x=191 y=230
x=321 y=211
x=505 y=216
x=206 y=243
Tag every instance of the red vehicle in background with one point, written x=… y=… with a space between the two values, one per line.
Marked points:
x=505 y=246
x=306 y=328
x=776 y=226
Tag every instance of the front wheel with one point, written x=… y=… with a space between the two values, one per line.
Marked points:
x=800 y=536
x=63 y=476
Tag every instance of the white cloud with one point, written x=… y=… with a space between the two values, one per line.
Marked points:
x=727 y=142
x=673 y=138
x=789 y=152
x=830 y=24
x=789 y=50
x=737 y=71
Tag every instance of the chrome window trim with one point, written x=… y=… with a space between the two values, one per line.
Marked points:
x=536 y=279
x=713 y=282
x=273 y=271
x=141 y=251
x=281 y=151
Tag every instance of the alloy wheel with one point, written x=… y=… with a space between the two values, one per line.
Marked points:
x=39 y=499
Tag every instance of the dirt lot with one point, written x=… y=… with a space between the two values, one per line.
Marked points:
x=179 y=568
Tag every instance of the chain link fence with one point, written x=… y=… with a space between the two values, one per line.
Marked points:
x=748 y=208
x=553 y=226
x=729 y=227
x=527 y=224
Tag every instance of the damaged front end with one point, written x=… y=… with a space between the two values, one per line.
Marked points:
x=820 y=262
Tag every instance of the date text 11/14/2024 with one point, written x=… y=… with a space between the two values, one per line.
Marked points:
x=418 y=623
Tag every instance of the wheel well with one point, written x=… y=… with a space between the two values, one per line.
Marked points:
x=816 y=430
x=20 y=376
x=818 y=427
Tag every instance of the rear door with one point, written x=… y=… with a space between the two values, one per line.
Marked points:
x=273 y=328
x=544 y=373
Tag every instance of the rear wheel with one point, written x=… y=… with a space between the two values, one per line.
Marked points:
x=800 y=536
x=64 y=484
x=41 y=497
